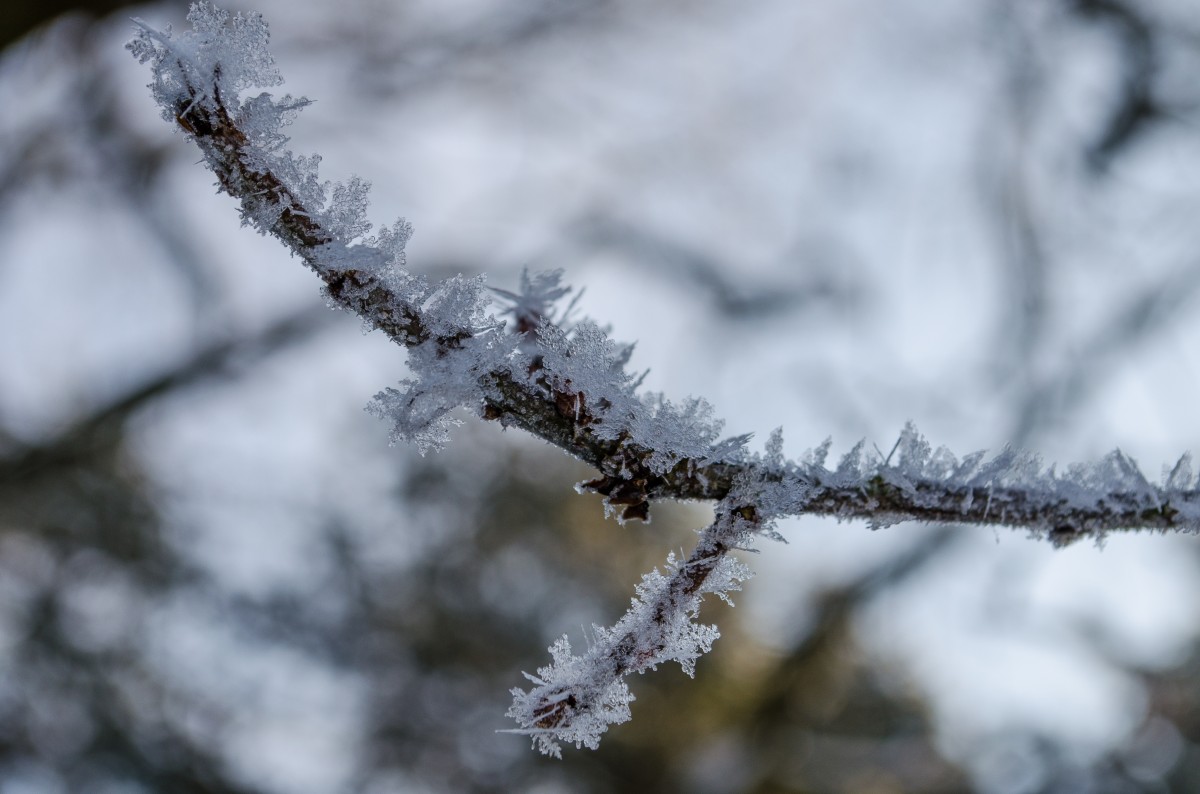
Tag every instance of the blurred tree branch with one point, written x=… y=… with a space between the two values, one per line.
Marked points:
x=101 y=426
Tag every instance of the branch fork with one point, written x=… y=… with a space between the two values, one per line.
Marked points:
x=566 y=383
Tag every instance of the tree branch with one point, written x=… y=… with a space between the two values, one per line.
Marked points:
x=567 y=384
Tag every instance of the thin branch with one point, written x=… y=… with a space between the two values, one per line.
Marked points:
x=569 y=386
x=601 y=428
x=576 y=698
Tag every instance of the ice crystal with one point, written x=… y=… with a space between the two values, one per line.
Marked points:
x=675 y=432
x=455 y=304
x=572 y=701
x=585 y=361
x=390 y=242
x=1180 y=477
x=227 y=52
x=346 y=215
x=576 y=698
x=207 y=70
x=533 y=303
x=419 y=408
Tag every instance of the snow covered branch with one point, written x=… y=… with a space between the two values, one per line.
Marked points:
x=567 y=383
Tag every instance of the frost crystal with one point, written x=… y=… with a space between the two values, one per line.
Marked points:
x=228 y=52
x=200 y=78
x=531 y=306
x=586 y=363
x=573 y=701
x=576 y=698
x=390 y=243
x=419 y=408
x=676 y=432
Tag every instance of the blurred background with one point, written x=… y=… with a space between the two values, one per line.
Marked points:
x=831 y=215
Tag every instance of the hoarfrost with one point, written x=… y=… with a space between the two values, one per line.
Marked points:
x=346 y=215
x=533 y=303
x=576 y=698
x=419 y=408
x=567 y=704
x=586 y=362
x=203 y=74
x=228 y=51
x=568 y=382
x=390 y=242
x=1180 y=477
x=455 y=304
x=675 y=432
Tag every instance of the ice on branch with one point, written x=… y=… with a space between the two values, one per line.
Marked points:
x=419 y=408
x=227 y=52
x=202 y=80
x=588 y=368
x=568 y=383
x=575 y=698
x=1013 y=488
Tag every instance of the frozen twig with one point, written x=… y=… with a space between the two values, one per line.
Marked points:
x=576 y=698
x=569 y=387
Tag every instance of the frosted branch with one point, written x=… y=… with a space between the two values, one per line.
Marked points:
x=576 y=698
x=568 y=385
